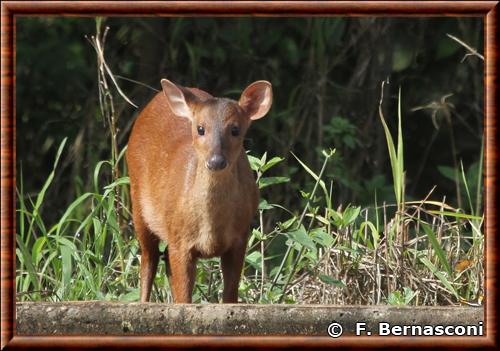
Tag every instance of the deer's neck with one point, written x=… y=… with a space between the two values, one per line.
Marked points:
x=210 y=186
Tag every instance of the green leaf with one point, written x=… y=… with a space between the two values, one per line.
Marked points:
x=437 y=248
x=335 y=216
x=119 y=181
x=408 y=295
x=97 y=171
x=448 y=172
x=322 y=237
x=373 y=230
x=329 y=280
x=48 y=262
x=466 y=186
x=396 y=159
x=400 y=156
x=70 y=209
x=455 y=214
x=67 y=267
x=267 y=181
x=304 y=194
x=25 y=257
x=122 y=153
x=257 y=234
x=42 y=192
x=328 y=153
x=37 y=249
x=131 y=296
x=300 y=236
x=314 y=175
x=163 y=245
x=354 y=251
x=264 y=205
x=350 y=214
x=395 y=298
x=254 y=163
x=271 y=163
x=287 y=224
x=439 y=275
x=263 y=159
x=65 y=242
x=254 y=259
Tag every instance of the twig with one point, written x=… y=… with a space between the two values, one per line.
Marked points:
x=472 y=51
x=108 y=70
x=136 y=82
x=263 y=263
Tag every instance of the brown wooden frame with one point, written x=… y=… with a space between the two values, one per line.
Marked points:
x=9 y=9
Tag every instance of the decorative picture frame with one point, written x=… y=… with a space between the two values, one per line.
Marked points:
x=10 y=9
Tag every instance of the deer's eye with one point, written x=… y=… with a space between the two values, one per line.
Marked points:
x=201 y=130
x=235 y=131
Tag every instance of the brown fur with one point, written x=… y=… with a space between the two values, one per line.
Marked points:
x=200 y=213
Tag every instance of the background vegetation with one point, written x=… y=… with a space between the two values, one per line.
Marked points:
x=342 y=218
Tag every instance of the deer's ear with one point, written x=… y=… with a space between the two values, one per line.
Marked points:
x=256 y=99
x=176 y=99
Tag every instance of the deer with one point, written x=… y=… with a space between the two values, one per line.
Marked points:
x=191 y=184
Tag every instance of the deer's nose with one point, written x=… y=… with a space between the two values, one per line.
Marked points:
x=216 y=163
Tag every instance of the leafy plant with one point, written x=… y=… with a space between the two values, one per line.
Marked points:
x=401 y=299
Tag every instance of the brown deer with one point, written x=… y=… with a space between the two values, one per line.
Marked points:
x=191 y=183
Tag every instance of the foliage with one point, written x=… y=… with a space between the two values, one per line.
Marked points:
x=345 y=216
x=326 y=75
x=82 y=256
x=329 y=260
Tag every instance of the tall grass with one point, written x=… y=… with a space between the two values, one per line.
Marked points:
x=82 y=256
x=412 y=252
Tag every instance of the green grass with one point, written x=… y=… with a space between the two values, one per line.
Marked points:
x=83 y=256
x=411 y=252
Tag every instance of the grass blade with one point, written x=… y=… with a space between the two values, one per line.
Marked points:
x=439 y=275
x=437 y=248
x=455 y=214
x=392 y=151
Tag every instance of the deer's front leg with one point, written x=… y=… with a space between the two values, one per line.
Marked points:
x=183 y=273
x=232 y=263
